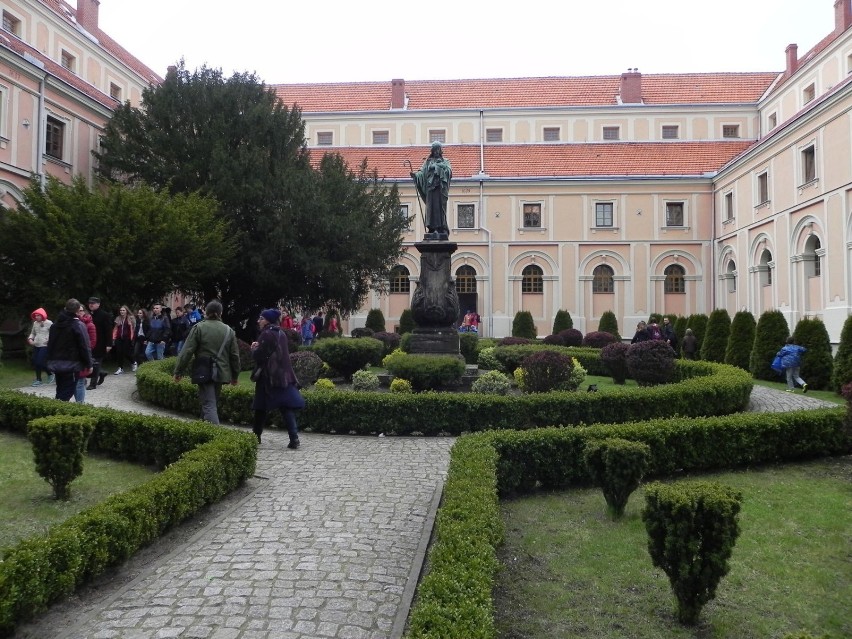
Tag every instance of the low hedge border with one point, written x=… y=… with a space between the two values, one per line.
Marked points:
x=454 y=598
x=705 y=389
x=201 y=464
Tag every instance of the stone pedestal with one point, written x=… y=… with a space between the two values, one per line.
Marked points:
x=435 y=304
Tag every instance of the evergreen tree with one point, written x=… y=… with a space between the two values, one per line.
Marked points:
x=523 y=325
x=679 y=324
x=562 y=321
x=817 y=363
x=741 y=340
x=655 y=318
x=716 y=336
x=406 y=322
x=609 y=324
x=698 y=324
x=769 y=336
x=843 y=358
x=375 y=320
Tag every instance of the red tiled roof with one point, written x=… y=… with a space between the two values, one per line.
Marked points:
x=807 y=57
x=701 y=88
x=655 y=159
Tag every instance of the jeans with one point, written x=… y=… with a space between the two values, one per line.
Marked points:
x=155 y=350
x=793 y=376
x=261 y=417
x=80 y=390
x=40 y=360
x=179 y=346
x=65 y=385
x=208 y=395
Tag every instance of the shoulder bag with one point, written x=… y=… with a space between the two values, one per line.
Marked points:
x=205 y=369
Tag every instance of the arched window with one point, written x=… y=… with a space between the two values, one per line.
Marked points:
x=765 y=269
x=532 y=279
x=731 y=272
x=399 y=282
x=602 y=281
x=675 y=279
x=813 y=268
x=466 y=279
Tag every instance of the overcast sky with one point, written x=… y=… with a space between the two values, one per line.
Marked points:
x=335 y=41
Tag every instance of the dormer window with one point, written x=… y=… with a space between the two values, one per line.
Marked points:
x=11 y=24
x=68 y=61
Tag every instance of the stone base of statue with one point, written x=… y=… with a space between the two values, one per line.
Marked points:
x=435 y=304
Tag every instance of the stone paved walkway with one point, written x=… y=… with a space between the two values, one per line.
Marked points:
x=326 y=541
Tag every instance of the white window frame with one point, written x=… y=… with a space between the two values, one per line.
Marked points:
x=684 y=206
x=321 y=135
x=728 y=203
x=71 y=59
x=733 y=127
x=614 y=206
x=809 y=93
x=475 y=216
x=494 y=135
x=65 y=127
x=405 y=213
x=608 y=130
x=668 y=128
x=438 y=135
x=772 y=121
x=762 y=177
x=378 y=134
x=809 y=148
x=549 y=130
x=542 y=225
x=14 y=23
x=115 y=91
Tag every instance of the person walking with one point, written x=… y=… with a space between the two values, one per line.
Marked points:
x=103 y=325
x=307 y=331
x=216 y=340
x=689 y=348
x=123 y=338
x=276 y=388
x=140 y=329
x=668 y=333
x=92 y=332
x=38 y=338
x=641 y=334
x=157 y=333
x=180 y=329
x=68 y=350
x=791 y=360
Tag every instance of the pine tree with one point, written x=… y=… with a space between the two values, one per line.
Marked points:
x=698 y=324
x=716 y=336
x=816 y=361
x=375 y=320
x=741 y=340
x=523 y=325
x=609 y=324
x=562 y=321
x=769 y=336
x=406 y=322
x=843 y=358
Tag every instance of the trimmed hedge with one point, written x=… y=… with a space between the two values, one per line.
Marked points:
x=201 y=464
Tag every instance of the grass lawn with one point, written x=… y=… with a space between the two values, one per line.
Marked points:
x=569 y=571
x=16 y=373
x=27 y=506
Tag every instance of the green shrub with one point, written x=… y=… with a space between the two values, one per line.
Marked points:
x=405 y=343
x=487 y=360
x=326 y=334
x=597 y=339
x=571 y=337
x=406 y=322
x=523 y=325
x=553 y=340
x=346 y=355
x=365 y=381
x=59 y=442
x=515 y=341
x=562 y=322
x=468 y=345
x=692 y=528
x=609 y=324
x=651 y=362
x=391 y=342
x=769 y=336
x=698 y=324
x=741 y=340
x=427 y=371
x=578 y=374
x=617 y=466
x=518 y=375
x=614 y=356
x=375 y=320
x=655 y=318
x=324 y=384
x=388 y=359
x=679 y=324
x=363 y=331
x=816 y=361
x=842 y=373
x=399 y=385
x=546 y=371
x=715 y=341
x=491 y=383
x=307 y=366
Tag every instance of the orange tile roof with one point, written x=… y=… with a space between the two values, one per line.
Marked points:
x=701 y=88
x=654 y=159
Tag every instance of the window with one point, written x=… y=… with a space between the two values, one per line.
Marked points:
x=465 y=279
x=765 y=269
x=675 y=279
x=808 y=164
x=114 y=91
x=611 y=133
x=67 y=60
x=772 y=120
x=603 y=214
x=551 y=134
x=671 y=131
x=325 y=138
x=732 y=276
x=809 y=93
x=381 y=137
x=730 y=130
x=11 y=24
x=55 y=142
x=437 y=135
x=465 y=216
x=729 y=206
x=493 y=135
x=532 y=215
x=532 y=279
x=813 y=268
x=763 y=188
x=602 y=279
x=399 y=282
x=403 y=213
x=674 y=213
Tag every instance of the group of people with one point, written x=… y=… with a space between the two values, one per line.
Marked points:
x=470 y=322
x=653 y=331
x=309 y=327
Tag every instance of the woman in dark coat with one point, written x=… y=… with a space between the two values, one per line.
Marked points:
x=277 y=386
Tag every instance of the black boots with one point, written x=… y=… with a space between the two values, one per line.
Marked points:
x=294 y=444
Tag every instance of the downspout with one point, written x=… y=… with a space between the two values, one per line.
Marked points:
x=488 y=298
x=481 y=142
x=42 y=126
x=713 y=251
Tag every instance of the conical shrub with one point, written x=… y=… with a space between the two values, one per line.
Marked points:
x=406 y=322
x=609 y=324
x=698 y=324
x=769 y=336
x=375 y=320
x=562 y=321
x=680 y=330
x=741 y=340
x=716 y=336
x=816 y=361
x=523 y=325
x=843 y=358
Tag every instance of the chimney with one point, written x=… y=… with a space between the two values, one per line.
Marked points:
x=398 y=94
x=792 y=51
x=631 y=87
x=842 y=16
x=87 y=14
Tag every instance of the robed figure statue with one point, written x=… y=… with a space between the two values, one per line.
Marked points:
x=433 y=187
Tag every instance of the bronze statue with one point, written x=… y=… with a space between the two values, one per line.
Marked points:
x=433 y=187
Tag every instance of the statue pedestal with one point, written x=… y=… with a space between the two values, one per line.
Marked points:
x=435 y=304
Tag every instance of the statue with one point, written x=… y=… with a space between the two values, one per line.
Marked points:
x=433 y=187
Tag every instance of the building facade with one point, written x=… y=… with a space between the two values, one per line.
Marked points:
x=633 y=193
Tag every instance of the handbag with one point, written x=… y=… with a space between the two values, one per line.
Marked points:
x=205 y=369
x=293 y=398
x=63 y=366
x=776 y=365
